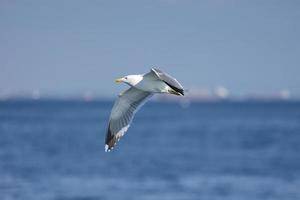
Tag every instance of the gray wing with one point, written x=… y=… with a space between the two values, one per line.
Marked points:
x=122 y=114
x=169 y=80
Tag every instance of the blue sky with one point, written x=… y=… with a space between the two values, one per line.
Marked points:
x=70 y=47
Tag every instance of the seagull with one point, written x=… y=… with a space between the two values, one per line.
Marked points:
x=143 y=86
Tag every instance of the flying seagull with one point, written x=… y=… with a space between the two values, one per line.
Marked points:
x=142 y=88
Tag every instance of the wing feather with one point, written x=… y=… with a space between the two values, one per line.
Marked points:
x=167 y=79
x=122 y=114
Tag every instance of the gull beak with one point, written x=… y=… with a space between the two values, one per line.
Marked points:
x=119 y=80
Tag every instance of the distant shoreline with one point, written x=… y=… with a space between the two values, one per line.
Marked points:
x=154 y=100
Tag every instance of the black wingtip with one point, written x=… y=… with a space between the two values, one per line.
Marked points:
x=178 y=91
x=182 y=92
x=109 y=140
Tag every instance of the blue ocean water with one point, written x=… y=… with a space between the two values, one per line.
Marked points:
x=235 y=151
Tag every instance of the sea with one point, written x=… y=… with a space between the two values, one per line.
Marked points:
x=54 y=150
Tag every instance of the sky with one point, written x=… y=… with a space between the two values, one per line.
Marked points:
x=72 y=47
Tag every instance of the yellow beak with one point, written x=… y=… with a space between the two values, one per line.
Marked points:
x=119 y=80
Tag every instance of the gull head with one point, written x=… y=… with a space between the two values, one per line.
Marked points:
x=130 y=79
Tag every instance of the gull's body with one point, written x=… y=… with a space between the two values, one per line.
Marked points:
x=128 y=102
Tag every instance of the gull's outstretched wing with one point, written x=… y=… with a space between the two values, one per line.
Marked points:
x=169 y=80
x=122 y=113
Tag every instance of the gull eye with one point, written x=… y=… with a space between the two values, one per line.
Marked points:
x=126 y=78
